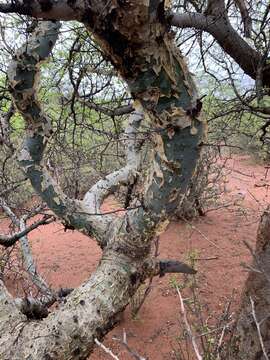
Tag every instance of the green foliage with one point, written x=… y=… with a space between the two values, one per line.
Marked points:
x=238 y=129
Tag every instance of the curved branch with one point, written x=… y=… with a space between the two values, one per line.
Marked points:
x=169 y=97
x=230 y=41
x=23 y=78
x=95 y=196
x=90 y=311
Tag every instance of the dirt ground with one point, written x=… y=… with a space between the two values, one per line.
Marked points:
x=214 y=243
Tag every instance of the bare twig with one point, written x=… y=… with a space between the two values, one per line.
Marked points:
x=107 y=350
x=258 y=328
x=10 y=240
x=124 y=342
x=201 y=233
x=188 y=328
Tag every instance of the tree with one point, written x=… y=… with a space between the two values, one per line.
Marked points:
x=135 y=37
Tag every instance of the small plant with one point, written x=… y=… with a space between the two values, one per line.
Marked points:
x=175 y=282
x=192 y=257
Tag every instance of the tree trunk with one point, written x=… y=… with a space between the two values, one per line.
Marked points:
x=135 y=37
x=253 y=326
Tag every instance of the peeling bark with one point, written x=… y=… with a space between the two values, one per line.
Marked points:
x=214 y=20
x=143 y=52
x=23 y=77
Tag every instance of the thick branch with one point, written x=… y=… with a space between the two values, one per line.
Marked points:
x=230 y=41
x=51 y=10
x=160 y=82
x=88 y=314
x=23 y=78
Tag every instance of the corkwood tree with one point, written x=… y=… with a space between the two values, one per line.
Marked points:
x=136 y=37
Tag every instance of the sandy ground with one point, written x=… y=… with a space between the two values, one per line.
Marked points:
x=215 y=241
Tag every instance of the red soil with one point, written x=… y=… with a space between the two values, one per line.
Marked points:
x=68 y=258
